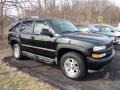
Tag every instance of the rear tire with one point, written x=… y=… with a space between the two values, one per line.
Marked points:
x=17 y=52
x=73 y=66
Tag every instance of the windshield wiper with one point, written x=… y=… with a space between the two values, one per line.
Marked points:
x=76 y=31
x=66 y=32
x=70 y=31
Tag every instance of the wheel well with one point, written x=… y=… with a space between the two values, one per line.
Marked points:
x=65 y=50
x=13 y=42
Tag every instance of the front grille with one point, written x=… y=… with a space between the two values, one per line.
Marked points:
x=109 y=52
x=109 y=48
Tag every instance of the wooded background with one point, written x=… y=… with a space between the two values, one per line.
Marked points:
x=77 y=11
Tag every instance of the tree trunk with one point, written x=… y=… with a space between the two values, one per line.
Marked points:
x=1 y=19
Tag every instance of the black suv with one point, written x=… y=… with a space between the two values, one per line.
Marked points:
x=59 y=41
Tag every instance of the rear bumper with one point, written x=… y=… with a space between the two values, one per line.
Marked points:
x=99 y=63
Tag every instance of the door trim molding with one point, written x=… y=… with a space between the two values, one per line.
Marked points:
x=38 y=47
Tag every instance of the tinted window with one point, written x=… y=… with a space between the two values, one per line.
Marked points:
x=63 y=26
x=81 y=27
x=16 y=28
x=27 y=27
x=106 y=29
x=92 y=28
x=39 y=26
x=98 y=27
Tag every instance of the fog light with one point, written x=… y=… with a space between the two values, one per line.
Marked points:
x=98 y=55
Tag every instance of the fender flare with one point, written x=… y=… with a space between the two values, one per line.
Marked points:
x=14 y=39
x=78 y=48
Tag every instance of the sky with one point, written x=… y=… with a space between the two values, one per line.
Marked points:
x=117 y=2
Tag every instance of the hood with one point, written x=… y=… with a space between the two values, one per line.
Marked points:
x=89 y=37
x=117 y=33
x=110 y=34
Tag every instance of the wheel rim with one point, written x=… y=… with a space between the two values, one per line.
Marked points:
x=16 y=52
x=71 y=67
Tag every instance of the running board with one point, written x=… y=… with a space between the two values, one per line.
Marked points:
x=38 y=57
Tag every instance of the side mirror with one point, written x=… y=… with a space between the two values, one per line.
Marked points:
x=46 y=32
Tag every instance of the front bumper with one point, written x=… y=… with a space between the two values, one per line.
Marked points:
x=115 y=41
x=99 y=63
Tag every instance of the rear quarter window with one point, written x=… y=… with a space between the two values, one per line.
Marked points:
x=15 y=28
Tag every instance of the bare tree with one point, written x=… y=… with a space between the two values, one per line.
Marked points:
x=1 y=16
x=78 y=11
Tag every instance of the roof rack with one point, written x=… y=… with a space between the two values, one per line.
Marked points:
x=16 y=20
x=32 y=17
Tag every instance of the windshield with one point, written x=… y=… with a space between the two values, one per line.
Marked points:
x=63 y=26
x=93 y=29
x=118 y=30
x=113 y=28
x=79 y=27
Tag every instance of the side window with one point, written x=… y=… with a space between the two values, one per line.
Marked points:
x=39 y=26
x=27 y=27
x=99 y=28
x=106 y=29
x=16 y=28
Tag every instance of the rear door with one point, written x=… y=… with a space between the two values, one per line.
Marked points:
x=26 y=35
x=42 y=44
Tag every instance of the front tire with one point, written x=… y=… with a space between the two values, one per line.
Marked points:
x=73 y=66
x=17 y=51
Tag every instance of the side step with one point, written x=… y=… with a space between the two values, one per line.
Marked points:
x=38 y=57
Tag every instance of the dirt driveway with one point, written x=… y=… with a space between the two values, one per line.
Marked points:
x=106 y=79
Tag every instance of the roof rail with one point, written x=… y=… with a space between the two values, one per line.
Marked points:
x=24 y=18
x=32 y=17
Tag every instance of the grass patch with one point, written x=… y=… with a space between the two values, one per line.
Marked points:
x=18 y=80
x=12 y=79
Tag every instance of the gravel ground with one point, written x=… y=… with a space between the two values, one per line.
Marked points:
x=106 y=79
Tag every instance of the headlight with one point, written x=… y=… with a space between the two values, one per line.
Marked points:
x=98 y=48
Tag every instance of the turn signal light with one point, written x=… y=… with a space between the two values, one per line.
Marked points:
x=98 y=55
